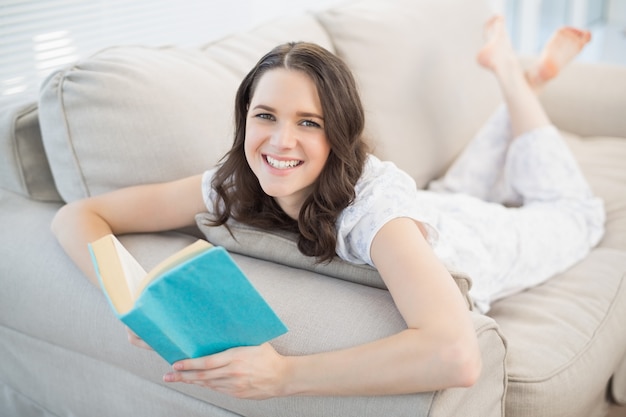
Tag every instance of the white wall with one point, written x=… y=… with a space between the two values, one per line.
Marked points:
x=617 y=14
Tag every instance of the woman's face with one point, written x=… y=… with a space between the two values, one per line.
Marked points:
x=285 y=145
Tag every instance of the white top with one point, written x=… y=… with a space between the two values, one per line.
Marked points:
x=383 y=193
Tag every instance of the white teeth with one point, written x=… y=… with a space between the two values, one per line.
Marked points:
x=281 y=164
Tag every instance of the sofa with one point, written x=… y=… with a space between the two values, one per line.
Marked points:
x=133 y=114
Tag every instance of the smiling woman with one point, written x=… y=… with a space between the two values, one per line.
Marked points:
x=297 y=161
x=284 y=147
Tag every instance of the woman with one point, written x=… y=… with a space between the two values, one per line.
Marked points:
x=298 y=163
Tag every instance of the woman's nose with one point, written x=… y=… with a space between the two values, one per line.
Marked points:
x=284 y=136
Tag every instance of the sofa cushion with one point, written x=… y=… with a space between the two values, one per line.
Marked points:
x=24 y=168
x=282 y=248
x=131 y=115
x=423 y=93
x=565 y=338
x=588 y=99
x=602 y=159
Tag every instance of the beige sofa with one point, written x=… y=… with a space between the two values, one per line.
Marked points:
x=133 y=114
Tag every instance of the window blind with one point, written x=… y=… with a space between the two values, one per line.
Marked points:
x=39 y=36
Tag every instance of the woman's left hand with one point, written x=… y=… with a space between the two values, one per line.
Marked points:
x=254 y=372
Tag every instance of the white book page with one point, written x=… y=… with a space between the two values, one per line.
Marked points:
x=133 y=272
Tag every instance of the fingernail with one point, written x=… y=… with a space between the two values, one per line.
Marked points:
x=178 y=366
x=168 y=378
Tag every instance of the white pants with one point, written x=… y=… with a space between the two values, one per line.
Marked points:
x=553 y=221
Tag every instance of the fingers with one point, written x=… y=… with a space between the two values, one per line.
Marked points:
x=190 y=370
x=243 y=372
x=205 y=363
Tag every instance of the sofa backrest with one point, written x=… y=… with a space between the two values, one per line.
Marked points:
x=424 y=94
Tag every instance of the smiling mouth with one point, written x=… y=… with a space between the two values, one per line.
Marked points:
x=275 y=163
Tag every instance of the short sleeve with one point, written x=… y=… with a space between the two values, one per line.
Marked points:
x=208 y=193
x=383 y=193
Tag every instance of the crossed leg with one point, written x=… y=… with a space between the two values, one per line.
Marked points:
x=498 y=56
x=479 y=169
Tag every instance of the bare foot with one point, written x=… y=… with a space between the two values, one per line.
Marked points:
x=497 y=54
x=561 y=49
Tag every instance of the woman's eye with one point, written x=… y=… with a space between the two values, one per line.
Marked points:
x=265 y=116
x=310 y=123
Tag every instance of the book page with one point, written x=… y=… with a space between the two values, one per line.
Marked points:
x=108 y=257
x=170 y=262
x=133 y=272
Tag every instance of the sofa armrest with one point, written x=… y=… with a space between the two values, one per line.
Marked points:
x=24 y=167
x=588 y=99
x=486 y=397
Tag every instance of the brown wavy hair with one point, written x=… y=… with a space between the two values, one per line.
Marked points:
x=240 y=195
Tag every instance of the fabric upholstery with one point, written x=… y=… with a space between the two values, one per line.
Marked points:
x=24 y=167
x=62 y=373
x=421 y=108
x=587 y=100
x=573 y=315
x=602 y=159
x=71 y=384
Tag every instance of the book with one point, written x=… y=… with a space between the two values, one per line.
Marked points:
x=194 y=303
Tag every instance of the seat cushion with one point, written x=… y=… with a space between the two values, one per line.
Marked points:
x=602 y=159
x=565 y=337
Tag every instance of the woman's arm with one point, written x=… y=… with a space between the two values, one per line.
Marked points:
x=438 y=350
x=144 y=208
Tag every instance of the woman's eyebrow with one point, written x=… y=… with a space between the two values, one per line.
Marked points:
x=264 y=107
x=308 y=114
x=299 y=114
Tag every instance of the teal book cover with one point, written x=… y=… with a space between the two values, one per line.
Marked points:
x=199 y=306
